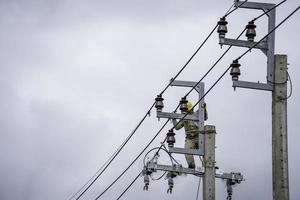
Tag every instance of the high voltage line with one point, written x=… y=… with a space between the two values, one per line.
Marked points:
x=242 y=55
x=114 y=155
x=128 y=138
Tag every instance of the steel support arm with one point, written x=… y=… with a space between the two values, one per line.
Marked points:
x=193 y=117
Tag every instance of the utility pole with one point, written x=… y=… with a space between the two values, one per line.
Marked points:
x=276 y=82
x=209 y=163
x=279 y=130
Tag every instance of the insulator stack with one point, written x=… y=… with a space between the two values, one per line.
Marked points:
x=159 y=104
x=251 y=33
x=183 y=105
x=235 y=70
x=222 y=30
x=171 y=138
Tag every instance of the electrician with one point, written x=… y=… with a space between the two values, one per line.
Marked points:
x=191 y=133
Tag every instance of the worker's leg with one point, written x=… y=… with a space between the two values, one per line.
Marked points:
x=190 y=144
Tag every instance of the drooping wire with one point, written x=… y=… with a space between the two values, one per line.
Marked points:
x=226 y=70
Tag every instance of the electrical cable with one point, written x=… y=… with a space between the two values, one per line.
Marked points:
x=129 y=186
x=134 y=160
x=160 y=131
x=168 y=86
x=227 y=69
x=189 y=60
x=165 y=150
x=147 y=113
x=235 y=9
x=265 y=12
x=94 y=174
x=117 y=152
x=229 y=9
x=291 y=86
x=198 y=189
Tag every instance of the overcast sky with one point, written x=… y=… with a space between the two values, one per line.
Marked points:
x=77 y=76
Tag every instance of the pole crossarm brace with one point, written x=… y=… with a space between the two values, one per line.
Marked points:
x=254 y=5
x=263 y=46
x=187 y=84
x=193 y=117
x=177 y=150
x=253 y=85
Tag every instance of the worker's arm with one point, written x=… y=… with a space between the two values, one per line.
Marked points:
x=177 y=126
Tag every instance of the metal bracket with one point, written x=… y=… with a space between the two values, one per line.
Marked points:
x=267 y=46
x=263 y=46
x=198 y=152
x=253 y=85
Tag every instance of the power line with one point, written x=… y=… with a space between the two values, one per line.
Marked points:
x=147 y=113
x=189 y=60
x=129 y=186
x=117 y=152
x=256 y=18
x=134 y=160
x=154 y=138
x=161 y=130
x=177 y=76
x=185 y=95
x=139 y=124
x=227 y=69
x=100 y=169
x=93 y=176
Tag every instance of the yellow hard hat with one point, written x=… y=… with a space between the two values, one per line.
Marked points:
x=189 y=105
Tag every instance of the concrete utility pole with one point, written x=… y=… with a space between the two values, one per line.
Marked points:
x=209 y=163
x=279 y=130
